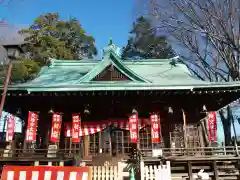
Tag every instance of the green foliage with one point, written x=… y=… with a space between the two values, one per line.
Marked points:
x=134 y=162
x=49 y=36
x=23 y=70
x=145 y=43
x=3 y=72
x=135 y=159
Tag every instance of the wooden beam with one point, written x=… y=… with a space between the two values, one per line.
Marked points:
x=215 y=170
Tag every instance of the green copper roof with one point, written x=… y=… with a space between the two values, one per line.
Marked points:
x=147 y=74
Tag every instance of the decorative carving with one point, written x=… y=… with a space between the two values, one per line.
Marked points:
x=111 y=73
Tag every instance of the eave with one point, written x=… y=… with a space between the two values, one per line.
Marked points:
x=124 y=87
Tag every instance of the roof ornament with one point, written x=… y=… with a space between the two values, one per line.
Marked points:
x=174 y=61
x=50 y=62
x=110 y=42
x=111 y=45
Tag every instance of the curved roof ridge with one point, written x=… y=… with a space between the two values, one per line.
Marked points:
x=167 y=60
x=57 y=62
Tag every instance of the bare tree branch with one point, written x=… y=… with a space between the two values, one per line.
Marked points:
x=208 y=30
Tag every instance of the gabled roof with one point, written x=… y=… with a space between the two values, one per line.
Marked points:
x=111 y=58
x=147 y=74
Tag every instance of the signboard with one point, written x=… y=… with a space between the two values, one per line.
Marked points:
x=10 y=128
x=52 y=151
x=76 y=125
x=157 y=152
x=31 y=127
x=133 y=128
x=155 y=128
x=56 y=127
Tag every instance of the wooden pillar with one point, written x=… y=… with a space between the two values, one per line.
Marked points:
x=200 y=132
x=189 y=165
x=104 y=143
x=110 y=143
x=5 y=88
x=204 y=131
x=238 y=167
x=65 y=144
x=86 y=145
x=185 y=131
x=100 y=143
x=215 y=170
x=70 y=146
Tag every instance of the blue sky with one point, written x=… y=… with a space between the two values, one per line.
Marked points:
x=101 y=19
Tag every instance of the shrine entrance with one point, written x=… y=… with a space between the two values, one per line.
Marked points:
x=117 y=140
x=114 y=141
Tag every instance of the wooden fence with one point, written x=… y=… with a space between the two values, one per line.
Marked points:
x=161 y=172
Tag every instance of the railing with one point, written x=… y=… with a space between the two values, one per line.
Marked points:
x=38 y=153
x=198 y=151
x=166 y=152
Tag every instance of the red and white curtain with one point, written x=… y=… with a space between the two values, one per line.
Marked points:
x=212 y=126
x=94 y=127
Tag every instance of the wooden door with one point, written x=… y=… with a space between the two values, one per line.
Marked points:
x=117 y=142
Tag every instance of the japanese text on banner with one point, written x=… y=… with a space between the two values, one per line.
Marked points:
x=56 y=127
x=155 y=128
x=10 y=128
x=133 y=128
x=76 y=124
x=212 y=126
x=31 y=127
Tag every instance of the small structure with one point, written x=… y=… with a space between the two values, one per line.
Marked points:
x=105 y=93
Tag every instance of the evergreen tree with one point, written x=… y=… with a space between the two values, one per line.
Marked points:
x=144 y=43
x=49 y=37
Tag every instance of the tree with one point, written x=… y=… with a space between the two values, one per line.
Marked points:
x=208 y=32
x=145 y=43
x=49 y=36
x=23 y=70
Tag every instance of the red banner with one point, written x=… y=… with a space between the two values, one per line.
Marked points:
x=10 y=128
x=155 y=128
x=212 y=126
x=31 y=127
x=76 y=124
x=133 y=128
x=56 y=127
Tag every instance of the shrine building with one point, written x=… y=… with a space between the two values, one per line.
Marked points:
x=104 y=106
